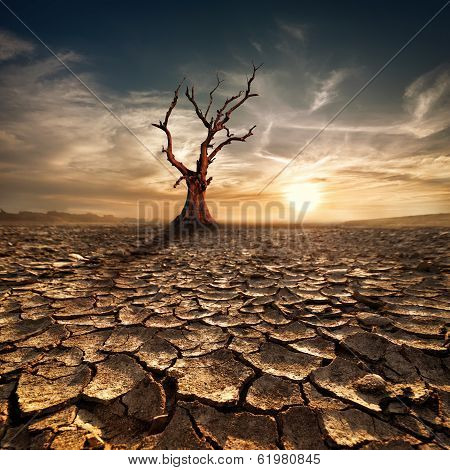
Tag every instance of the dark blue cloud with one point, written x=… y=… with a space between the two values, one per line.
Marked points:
x=141 y=44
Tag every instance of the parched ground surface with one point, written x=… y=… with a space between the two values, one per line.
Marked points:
x=335 y=338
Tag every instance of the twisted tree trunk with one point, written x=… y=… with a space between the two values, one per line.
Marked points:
x=195 y=212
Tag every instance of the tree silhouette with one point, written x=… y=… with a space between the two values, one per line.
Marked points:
x=195 y=212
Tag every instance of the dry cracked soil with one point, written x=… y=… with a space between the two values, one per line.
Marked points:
x=249 y=339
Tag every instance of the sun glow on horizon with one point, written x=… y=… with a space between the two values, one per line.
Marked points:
x=303 y=193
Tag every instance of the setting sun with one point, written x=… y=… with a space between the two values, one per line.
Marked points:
x=303 y=193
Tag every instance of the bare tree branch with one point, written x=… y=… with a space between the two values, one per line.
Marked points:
x=222 y=109
x=229 y=134
x=179 y=180
x=219 y=123
x=214 y=125
x=163 y=126
x=247 y=94
x=174 y=102
x=228 y=141
x=219 y=81
x=191 y=98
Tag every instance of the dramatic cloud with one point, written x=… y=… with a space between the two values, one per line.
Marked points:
x=294 y=31
x=11 y=46
x=428 y=90
x=257 y=46
x=328 y=89
x=60 y=149
x=427 y=100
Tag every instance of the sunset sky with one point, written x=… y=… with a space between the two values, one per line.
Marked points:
x=386 y=155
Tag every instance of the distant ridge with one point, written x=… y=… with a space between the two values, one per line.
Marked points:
x=65 y=218
x=429 y=220
x=59 y=218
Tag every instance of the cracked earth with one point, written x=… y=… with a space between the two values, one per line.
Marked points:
x=261 y=340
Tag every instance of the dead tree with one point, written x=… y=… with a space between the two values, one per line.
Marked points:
x=195 y=212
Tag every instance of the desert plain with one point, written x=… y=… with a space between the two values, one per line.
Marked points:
x=254 y=338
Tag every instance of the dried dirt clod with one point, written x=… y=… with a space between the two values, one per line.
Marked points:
x=127 y=339
x=132 y=315
x=245 y=345
x=369 y=301
x=372 y=384
x=69 y=440
x=292 y=332
x=217 y=377
x=367 y=345
x=58 y=387
x=108 y=424
x=23 y=329
x=273 y=393
x=54 y=422
x=374 y=320
x=347 y=381
x=47 y=339
x=316 y=346
x=318 y=401
x=179 y=434
x=17 y=359
x=281 y=362
x=234 y=430
x=115 y=376
x=146 y=401
x=157 y=353
x=89 y=343
x=300 y=429
x=433 y=370
x=414 y=426
x=349 y=428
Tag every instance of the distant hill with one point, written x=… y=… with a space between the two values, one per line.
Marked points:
x=429 y=220
x=65 y=218
x=59 y=218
